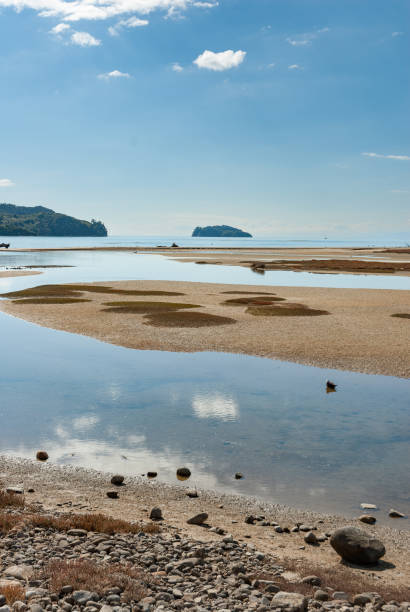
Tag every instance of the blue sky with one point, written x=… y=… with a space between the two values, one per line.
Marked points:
x=285 y=117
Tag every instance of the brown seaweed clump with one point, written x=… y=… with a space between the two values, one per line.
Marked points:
x=289 y=309
x=143 y=307
x=401 y=315
x=187 y=319
x=250 y=301
x=51 y=300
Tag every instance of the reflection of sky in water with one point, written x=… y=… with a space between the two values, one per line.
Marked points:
x=93 y=404
x=215 y=406
x=109 y=266
x=97 y=405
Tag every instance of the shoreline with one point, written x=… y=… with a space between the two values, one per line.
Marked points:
x=58 y=488
x=354 y=330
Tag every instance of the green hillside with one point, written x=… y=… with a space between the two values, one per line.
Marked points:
x=41 y=221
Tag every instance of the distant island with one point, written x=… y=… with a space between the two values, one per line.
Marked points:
x=41 y=221
x=220 y=231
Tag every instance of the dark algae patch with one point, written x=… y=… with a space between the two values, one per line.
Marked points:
x=51 y=300
x=77 y=290
x=285 y=310
x=246 y=293
x=187 y=319
x=332 y=265
x=143 y=307
x=402 y=315
x=247 y=301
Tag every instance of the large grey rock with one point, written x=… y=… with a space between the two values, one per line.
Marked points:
x=292 y=602
x=357 y=546
x=21 y=572
x=198 y=519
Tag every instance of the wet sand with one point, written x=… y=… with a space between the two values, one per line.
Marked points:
x=358 y=334
x=13 y=273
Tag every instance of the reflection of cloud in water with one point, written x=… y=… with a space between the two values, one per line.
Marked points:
x=216 y=406
x=85 y=422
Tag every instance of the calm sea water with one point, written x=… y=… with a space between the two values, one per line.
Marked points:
x=93 y=404
x=44 y=242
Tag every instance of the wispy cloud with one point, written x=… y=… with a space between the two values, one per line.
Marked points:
x=77 y=10
x=59 y=29
x=303 y=40
x=176 y=67
x=114 y=74
x=84 y=39
x=220 y=61
x=132 y=22
x=6 y=183
x=295 y=67
x=400 y=191
x=395 y=34
x=381 y=156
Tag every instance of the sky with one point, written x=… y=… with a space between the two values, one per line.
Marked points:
x=288 y=118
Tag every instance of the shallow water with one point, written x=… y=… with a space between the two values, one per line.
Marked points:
x=48 y=242
x=103 y=266
x=97 y=405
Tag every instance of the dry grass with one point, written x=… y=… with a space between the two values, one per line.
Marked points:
x=187 y=319
x=401 y=315
x=11 y=500
x=13 y=593
x=289 y=309
x=249 y=301
x=98 y=523
x=83 y=574
x=53 y=300
x=143 y=307
x=338 y=577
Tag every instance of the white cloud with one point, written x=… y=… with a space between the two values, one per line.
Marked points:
x=380 y=156
x=220 y=61
x=6 y=183
x=59 y=28
x=132 y=22
x=76 y=10
x=176 y=67
x=114 y=74
x=395 y=34
x=305 y=39
x=295 y=67
x=400 y=191
x=84 y=39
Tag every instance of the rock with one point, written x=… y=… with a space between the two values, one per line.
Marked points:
x=198 y=519
x=321 y=595
x=278 y=529
x=340 y=595
x=186 y=563
x=292 y=602
x=112 y=494
x=396 y=514
x=152 y=474
x=357 y=546
x=362 y=599
x=81 y=533
x=16 y=490
x=156 y=514
x=310 y=538
x=192 y=493
x=368 y=507
x=36 y=608
x=238 y=475
x=82 y=597
x=367 y=518
x=313 y=580
x=21 y=572
x=250 y=519
x=183 y=473
x=117 y=480
x=42 y=455
x=2 y=600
